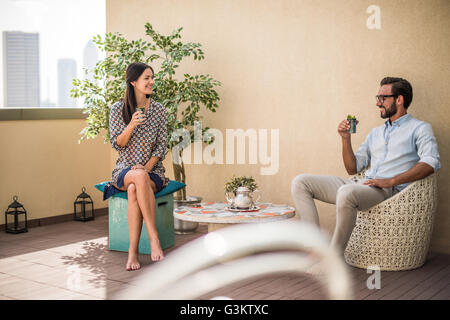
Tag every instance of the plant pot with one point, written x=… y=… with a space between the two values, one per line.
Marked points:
x=185 y=227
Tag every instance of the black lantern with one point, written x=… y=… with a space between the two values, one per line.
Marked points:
x=16 y=210
x=82 y=201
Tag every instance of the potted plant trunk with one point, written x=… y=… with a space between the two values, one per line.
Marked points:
x=183 y=96
x=181 y=199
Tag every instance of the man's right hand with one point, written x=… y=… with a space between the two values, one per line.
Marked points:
x=343 y=129
x=347 y=152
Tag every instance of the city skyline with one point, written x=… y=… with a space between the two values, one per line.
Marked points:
x=21 y=69
x=65 y=30
x=67 y=70
x=90 y=58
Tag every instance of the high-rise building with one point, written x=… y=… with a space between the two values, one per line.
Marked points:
x=21 y=69
x=67 y=71
x=90 y=58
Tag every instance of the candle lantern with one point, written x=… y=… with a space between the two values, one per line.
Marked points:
x=19 y=214
x=81 y=207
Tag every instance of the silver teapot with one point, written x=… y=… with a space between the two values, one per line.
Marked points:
x=243 y=198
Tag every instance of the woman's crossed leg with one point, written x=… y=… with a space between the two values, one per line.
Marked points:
x=141 y=205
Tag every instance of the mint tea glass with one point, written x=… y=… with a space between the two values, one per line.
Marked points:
x=352 y=123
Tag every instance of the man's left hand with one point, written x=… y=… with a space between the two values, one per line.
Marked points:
x=380 y=183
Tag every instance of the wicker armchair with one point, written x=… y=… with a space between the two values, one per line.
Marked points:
x=395 y=234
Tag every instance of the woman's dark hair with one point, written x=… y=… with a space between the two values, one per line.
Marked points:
x=134 y=71
x=400 y=87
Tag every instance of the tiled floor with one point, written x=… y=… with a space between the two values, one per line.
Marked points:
x=71 y=260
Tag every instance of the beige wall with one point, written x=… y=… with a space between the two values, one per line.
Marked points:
x=301 y=67
x=43 y=164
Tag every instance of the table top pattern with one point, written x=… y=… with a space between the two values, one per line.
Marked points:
x=216 y=212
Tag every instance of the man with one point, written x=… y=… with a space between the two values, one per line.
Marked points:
x=398 y=152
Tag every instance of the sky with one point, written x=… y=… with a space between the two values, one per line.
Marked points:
x=64 y=27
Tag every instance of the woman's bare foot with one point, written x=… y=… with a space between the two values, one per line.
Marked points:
x=133 y=262
x=157 y=253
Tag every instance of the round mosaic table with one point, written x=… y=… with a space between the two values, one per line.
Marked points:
x=217 y=216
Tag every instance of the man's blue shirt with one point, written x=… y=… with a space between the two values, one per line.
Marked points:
x=393 y=149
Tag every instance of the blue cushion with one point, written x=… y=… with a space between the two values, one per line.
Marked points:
x=173 y=186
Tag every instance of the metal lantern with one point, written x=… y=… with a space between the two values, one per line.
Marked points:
x=83 y=200
x=16 y=210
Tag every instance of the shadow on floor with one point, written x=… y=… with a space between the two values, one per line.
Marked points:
x=94 y=260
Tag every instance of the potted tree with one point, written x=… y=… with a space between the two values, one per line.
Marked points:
x=183 y=97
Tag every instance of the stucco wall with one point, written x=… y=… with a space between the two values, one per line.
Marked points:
x=301 y=67
x=43 y=164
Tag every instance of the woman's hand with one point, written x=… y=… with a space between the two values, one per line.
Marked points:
x=137 y=119
x=139 y=166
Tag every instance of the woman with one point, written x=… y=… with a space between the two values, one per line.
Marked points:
x=140 y=138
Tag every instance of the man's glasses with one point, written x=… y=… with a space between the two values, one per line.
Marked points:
x=382 y=97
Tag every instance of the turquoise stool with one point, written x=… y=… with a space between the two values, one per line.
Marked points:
x=118 y=219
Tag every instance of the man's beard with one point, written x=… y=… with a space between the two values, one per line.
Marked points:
x=389 y=112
